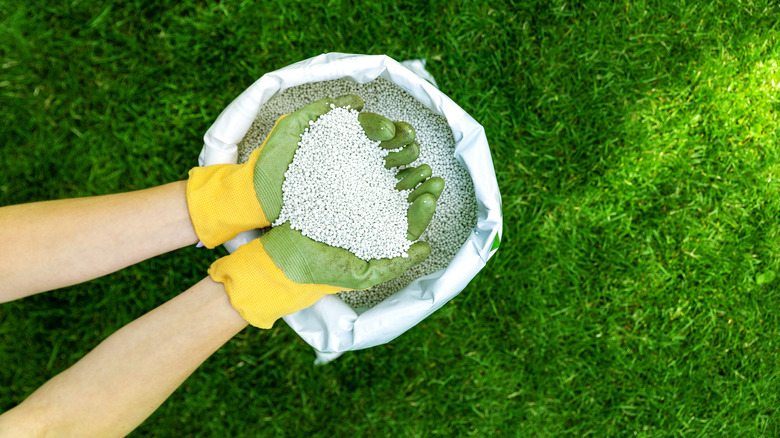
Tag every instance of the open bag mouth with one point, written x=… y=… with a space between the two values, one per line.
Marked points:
x=336 y=324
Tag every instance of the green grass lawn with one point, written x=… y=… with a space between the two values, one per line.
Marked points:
x=636 y=148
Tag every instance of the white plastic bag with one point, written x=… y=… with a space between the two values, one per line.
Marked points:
x=331 y=326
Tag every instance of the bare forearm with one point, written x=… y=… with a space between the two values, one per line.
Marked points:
x=123 y=380
x=47 y=245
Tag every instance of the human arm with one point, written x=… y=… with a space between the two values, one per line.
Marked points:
x=112 y=389
x=53 y=244
x=127 y=376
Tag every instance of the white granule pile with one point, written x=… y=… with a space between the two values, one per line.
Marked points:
x=337 y=190
x=456 y=208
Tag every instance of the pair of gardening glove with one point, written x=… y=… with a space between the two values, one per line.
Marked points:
x=284 y=271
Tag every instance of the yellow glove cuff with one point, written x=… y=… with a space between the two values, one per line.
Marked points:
x=259 y=290
x=222 y=201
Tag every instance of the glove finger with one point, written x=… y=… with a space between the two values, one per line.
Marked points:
x=377 y=128
x=413 y=176
x=434 y=186
x=405 y=156
x=388 y=269
x=403 y=173
x=418 y=252
x=419 y=215
x=404 y=134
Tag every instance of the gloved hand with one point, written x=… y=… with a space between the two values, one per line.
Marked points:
x=226 y=199
x=284 y=271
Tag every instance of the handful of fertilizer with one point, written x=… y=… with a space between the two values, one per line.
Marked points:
x=342 y=190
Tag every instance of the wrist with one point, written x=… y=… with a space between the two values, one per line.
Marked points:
x=222 y=202
x=259 y=290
